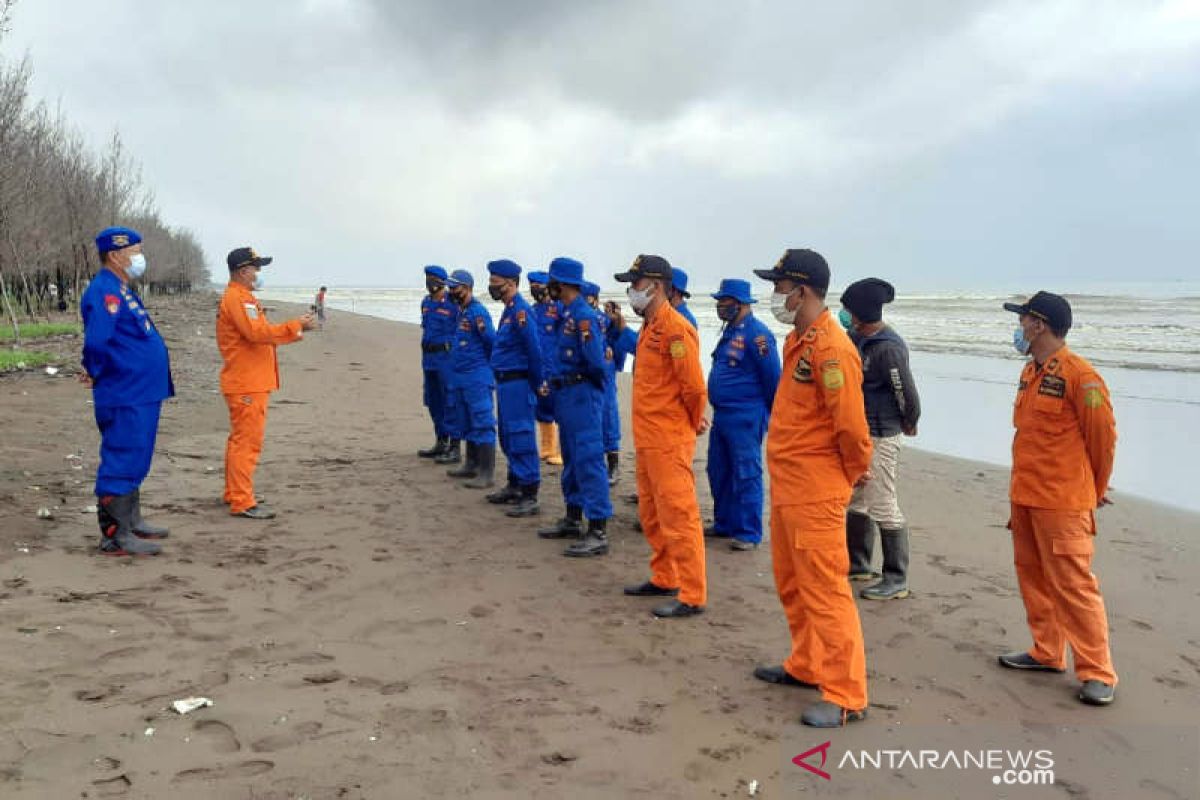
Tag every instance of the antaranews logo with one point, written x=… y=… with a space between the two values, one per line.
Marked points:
x=1009 y=767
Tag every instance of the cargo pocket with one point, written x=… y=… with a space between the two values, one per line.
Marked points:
x=1073 y=545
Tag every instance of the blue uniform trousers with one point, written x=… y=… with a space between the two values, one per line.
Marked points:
x=579 y=410
x=435 y=400
x=518 y=439
x=545 y=408
x=470 y=413
x=612 y=416
x=735 y=470
x=127 y=435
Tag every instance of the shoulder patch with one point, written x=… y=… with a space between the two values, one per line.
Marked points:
x=1093 y=398
x=112 y=303
x=480 y=324
x=521 y=318
x=832 y=375
x=678 y=348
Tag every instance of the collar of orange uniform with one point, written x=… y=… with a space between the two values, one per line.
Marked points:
x=240 y=289
x=1054 y=362
x=823 y=320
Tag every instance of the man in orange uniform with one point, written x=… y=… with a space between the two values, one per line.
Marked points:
x=247 y=344
x=818 y=450
x=669 y=399
x=1062 y=455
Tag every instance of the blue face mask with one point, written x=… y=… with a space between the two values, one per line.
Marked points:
x=728 y=312
x=258 y=281
x=1020 y=343
x=137 y=266
x=845 y=318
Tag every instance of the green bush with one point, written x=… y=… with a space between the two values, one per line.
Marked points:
x=39 y=330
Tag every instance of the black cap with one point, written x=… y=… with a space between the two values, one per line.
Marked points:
x=1050 y=308
x=245 y=257
x=865 y=298
x=646 y=267
x=800 y=265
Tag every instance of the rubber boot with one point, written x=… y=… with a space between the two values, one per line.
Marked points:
x=511 y=493
x=569 y=527
x=549 y=449
x=614 y=461
x=860 y=542
x=894 y=585
x=141 y=528
x=439 y=447
x=451 y=453
x=470 y=465
x=115 y=515
x=593 y=543
x=485 y=467
x=527 y=505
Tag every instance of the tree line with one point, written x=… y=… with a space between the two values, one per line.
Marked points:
x=56 y=193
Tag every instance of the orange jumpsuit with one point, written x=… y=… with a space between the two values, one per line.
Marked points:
x=818 y=445
x=1063 y=452
x=669 y=398
x=247 y=344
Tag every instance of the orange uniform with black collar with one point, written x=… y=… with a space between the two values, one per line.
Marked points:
x=1063 y=451
x=669 y=399
x=818 y=445
x=250 y=373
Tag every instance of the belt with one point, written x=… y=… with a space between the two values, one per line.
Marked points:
x=435 y=348
x=567 y=380
x=511 y=375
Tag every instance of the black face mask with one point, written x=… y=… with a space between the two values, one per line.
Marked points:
x=433 y=287
x=539 y=293
x=495 y=292
x=555 y=290
x=459 y=297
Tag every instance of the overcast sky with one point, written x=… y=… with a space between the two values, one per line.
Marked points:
x=938 y=143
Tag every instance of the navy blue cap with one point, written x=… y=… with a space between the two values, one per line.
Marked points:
x=567 y=270
x=460 y=277
x=245 y=257
x=539 y=277
x=590 y=289
x=504 y=268
x=679 y=281
x=1050 y=308
x=734 y=289
x=865 y=298
x=111 y=239
x=434 y=271
x=803 y=266
x=646 y=267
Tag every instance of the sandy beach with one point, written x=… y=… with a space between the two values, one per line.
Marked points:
x=391 y=635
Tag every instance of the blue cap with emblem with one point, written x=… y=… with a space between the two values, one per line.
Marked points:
x=567 y=270
x=590 y=289
x=679 y=281
x=539 y=277
x=504 y=268
x=434 y=271
x=460 y=277
x=734 y=289
x=116 y=238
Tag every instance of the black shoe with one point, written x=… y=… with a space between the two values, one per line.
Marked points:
x=527 y=505
x=114 y=513
x=469 y=466
x=141 y=528
x=511 y=493
x=711 y=532
x=830 y=715
x=675 y=609
x=738 y=545
x=439 y=447
x=593 y=543
x=257 y=512
x=569 y=527
x=614 y=462
x=650 y=589
x=485 y=467
x=451 y=453
x=632 y=499
x=781 y=677
x=1096 y=693
x=1025 y=661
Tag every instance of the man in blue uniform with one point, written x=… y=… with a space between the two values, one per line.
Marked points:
x=125 y=362
x=741 y=388
x=547 y=312
x=439 y=316
x=578 y=387
x=612 y=413
x=471 y=414
x=517 y=367
x=679 y=295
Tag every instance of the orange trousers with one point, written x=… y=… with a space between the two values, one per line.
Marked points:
x=1052 y=551
x=247 y=426
x=670 y=516
x=808 y=551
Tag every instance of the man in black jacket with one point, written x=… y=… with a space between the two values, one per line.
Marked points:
x=893 y=409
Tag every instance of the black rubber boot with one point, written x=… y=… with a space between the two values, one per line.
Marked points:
x=894 y=585
x=451 y=453
x=527 y=506
x=115 y=515
x=614 y=461
x=470 y=465
x=141 y=528
x=485 y=467
x=439 y=447
x=511 y=493
x=593 y=543
x=569 y=527
x=860 y=542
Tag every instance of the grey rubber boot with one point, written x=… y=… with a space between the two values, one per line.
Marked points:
x=467 y=470
x=527 y=503
x=593 y=543
x=451 y=453
x=860 y=542
x=894 y=585
x=569 y=527
x=141 y=528
x=485 y=467
x=614 y=463
x=115 y=515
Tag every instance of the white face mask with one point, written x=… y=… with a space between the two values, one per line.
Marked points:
x=639 y=300
x=780 y=310
x=258 y=281
x=137 y=265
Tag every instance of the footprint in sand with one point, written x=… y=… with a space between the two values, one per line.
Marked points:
x=219 y=736
x=113 y=787
x=243 y=769
x=280 y=741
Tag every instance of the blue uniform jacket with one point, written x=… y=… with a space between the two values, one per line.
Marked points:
x=439 y=318
x=580 y=343
x=472 y=352
x=122 y=350
x=624 y=342
x=548 y=314
x=517 y=347
x=688 y=315
x=745 y=367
